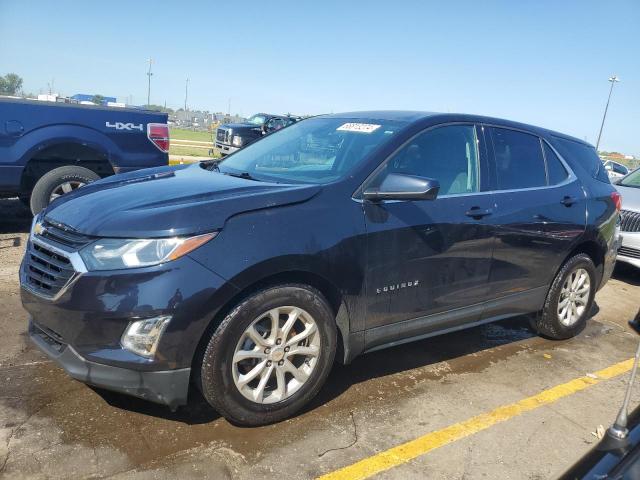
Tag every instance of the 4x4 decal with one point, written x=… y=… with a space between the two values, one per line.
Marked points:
x=125 y=126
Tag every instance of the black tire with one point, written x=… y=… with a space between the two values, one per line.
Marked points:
x=53 y=179
x=215 y=368
x=547 y=323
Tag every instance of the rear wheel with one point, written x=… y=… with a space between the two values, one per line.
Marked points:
x=270 y=355
x=569 y=300
x=57 y=182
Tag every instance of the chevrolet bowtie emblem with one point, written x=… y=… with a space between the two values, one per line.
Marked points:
x=39 y=229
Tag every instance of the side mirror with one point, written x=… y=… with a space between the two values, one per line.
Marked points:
x=398 y=186
x=608 y=167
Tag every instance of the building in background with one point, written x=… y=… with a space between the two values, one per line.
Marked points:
x=84 y=97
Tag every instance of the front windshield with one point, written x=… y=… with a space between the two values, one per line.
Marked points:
x=631 y=180
x=316 y=150
x=257 y=119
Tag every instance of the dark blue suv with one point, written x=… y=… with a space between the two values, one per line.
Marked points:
x=336 y=236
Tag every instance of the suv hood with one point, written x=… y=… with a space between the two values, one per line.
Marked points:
x=168 y=201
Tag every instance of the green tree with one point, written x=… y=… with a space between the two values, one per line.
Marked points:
x=10 y=84
x=97 y=99
x=158 y=108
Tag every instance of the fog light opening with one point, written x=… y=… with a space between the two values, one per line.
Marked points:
x=142 y=336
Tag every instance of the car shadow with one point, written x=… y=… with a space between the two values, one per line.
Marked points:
x=627 y=273
x=463 y=346
x=14 y=216
x=196 y=412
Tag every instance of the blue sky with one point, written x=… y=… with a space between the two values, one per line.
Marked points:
x=543 y=62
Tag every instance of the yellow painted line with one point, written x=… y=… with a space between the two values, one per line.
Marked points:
x=407 y=451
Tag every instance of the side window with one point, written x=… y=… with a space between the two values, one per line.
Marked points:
x=273 y=125
x=555 y=168
x=448 y=154
x=619 y=168
x=519 y=160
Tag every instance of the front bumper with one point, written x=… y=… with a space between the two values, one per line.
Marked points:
x=629 y=252
x=226 y=149
x=81 y=326
x=169 y=387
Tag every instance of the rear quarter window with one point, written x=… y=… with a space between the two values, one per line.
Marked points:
x=582 y=157
x=555 y=170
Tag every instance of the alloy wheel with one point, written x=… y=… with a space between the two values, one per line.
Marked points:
x=65 y=187
x=574 y=297
x=276 y=355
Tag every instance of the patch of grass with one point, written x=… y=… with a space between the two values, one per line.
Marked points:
x=191 y=151
x=184 y=160
x=180 y=134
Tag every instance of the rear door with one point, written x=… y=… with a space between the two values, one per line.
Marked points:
x=540 y=211
x=429 y=257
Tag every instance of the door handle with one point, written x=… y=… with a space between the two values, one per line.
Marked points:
x=567 y=201
x=477 y=213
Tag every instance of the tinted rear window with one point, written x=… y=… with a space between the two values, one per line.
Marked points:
x=519 y=160
x=581 y=156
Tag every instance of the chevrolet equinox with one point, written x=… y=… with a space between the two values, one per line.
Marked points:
x=333 y=237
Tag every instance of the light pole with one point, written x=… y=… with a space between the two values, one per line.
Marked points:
x=186 y=92
x=613 y=81
x=149 y=84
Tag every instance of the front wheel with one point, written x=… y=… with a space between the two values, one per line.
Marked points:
x=569 y=300
x=270 y=355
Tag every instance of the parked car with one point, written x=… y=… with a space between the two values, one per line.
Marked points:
x=48 y=149
x=629 y=188
x=615 y=170
x=250 y=276
x=231 y=137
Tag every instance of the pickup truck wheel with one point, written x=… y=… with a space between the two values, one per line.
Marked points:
x=57 y=182
x=270 y=355
x=569 y=300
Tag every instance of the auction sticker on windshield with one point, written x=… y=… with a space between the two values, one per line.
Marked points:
x=358 y=127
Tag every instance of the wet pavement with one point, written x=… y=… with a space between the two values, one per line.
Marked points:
x=54 y=427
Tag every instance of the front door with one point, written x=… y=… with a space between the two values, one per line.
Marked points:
x=427 y=258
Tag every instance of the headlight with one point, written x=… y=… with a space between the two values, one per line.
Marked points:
x=115 y=253
x=237 y=141
x=142 y=336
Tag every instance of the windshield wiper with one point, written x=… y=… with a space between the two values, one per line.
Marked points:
x=245 y=175
x=213 y=165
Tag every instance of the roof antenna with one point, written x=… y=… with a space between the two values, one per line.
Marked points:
x=617 y=434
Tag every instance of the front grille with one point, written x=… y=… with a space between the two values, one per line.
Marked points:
x=63 y=235
x=629 y=221
x=221 y=135
x=46 y=272
x=629 y=252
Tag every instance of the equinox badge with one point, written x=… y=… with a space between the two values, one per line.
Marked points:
x=397 y=286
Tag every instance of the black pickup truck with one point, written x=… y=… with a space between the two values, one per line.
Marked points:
x=231 y=137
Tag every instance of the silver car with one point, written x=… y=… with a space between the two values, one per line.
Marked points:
x=629 y=188
x=615 y=170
